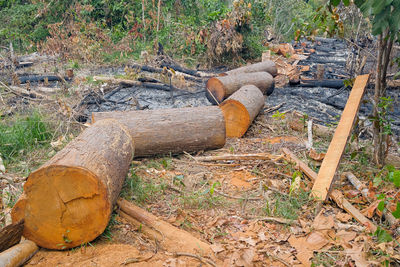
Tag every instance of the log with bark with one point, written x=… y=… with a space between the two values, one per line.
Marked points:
x=68 y=201
x=267 y=66
x=10 y=235
x=170 y=238
x=18 y=254
x=241 y=108
x=220 y=88
x=171 y=131
x=332 y=83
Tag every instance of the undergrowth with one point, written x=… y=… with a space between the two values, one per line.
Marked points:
x=22 y=135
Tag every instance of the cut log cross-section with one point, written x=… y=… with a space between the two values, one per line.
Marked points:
x=241 y=108
x=267 y=66
x=171 y=131
x=219 y=88
x=68 y=201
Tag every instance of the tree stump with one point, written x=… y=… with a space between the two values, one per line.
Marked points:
x=219 y=88
x=10 y=235
x=241 y=108
x=171 y=131
x=68 y=201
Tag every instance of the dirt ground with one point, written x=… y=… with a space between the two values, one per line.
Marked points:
x=230 y=207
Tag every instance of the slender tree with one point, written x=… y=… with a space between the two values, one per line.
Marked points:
x=385 y=20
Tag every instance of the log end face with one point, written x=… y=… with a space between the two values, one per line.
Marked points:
x=215 y=91
x=237 y=118
x=64 y=207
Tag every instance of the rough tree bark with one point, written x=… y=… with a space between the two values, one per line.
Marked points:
x=171 y=131
x=241 y=108
x=380 y=137
x=219 y=88
x=68 y=201
x=264 y=66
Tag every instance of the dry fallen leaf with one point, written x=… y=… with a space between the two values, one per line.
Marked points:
x=343 y=217
x=315 y=155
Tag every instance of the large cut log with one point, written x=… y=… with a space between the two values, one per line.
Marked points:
x=171 y=131
x=219 y=88
x=18 y=254
x=170 y=238
x=267 y=66
x=68 y=201
x=11 y=235
x=241 y=108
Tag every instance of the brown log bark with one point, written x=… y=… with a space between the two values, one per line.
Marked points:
x=171 y=238
x=241 y=108
x=267 y=66
x=11 y=235
x=219 y=88
x=19 y=254
x=171 y=131
x=68 y=201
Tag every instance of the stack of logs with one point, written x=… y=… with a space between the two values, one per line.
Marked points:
x=69 y=200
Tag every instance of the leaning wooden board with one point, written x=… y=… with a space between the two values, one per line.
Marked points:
x=329 y=166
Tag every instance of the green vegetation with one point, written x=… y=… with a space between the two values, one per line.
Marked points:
x=22 y=135
x=113 y=30
x=288 y=207
x=141 y=191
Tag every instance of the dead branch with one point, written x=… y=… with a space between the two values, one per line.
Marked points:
x=201 y=259
x=256 y=156
x=278 y=220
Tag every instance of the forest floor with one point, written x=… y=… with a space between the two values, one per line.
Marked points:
x=248 y=210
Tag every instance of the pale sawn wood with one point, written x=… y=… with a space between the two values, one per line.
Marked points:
x=336 y=148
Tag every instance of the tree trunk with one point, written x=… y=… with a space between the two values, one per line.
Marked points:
x=11 y=235
x=219 y=88
x=19 y=254
x=264 y=66
x=241 y=108
x=171 y=238
x=171 y=131
x=68 y=201
x=380 y=138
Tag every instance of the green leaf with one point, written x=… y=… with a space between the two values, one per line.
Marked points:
x=346 y=2
x=382 y=235
x=381 y=205
x=396 y=178
x=359 y=2
x=377 y=181
x=334 y=2
x=396 y=213
x=381 y=196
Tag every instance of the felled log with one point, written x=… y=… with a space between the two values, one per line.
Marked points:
x=18 y=255
x=68 y=201
x=332 y=83
x=220 y=88
x=170 y=238
x=10 y=235
x=264 y=66
x=241 y=108
x=42 y=78
x=171 y=131
x=129 y=83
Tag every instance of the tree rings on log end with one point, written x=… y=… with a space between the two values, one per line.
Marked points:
x=215 y=91
x=70 y=214
x=237 y=118
x=68 y=201
x=241 y=108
